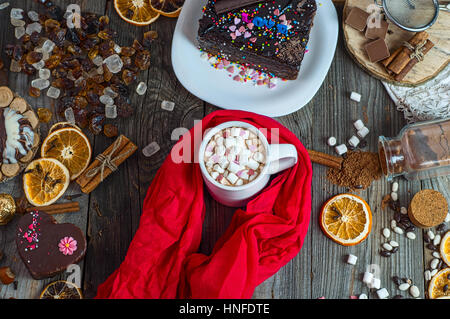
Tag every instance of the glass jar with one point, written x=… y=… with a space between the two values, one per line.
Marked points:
x=420 y=151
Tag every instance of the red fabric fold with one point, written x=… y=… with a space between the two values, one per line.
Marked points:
x=163 y=260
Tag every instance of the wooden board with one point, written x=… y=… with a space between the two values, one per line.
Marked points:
x=435 y=60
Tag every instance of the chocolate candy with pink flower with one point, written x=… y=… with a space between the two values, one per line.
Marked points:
x=46 y=247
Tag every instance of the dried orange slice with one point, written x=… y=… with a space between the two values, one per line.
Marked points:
x=445 y=248
x=61 y=125
x=137 y=12
x=439 y=286
x=168 y=8
x=44 y=181
x=69 y=146
x=346 y=219
x=61 y=289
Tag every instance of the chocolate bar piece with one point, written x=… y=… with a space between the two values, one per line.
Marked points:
x=270 y=36
x=357 y=19
x=377 y=50
x=229 y=5
x=375 y=33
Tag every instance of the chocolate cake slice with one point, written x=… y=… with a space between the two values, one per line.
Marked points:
x=270 y=36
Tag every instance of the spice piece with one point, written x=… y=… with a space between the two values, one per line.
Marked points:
x=106 y=163
x=428 y=208
x=325 y=159
x=357 y=19
x=359 y=169
x=57 y=208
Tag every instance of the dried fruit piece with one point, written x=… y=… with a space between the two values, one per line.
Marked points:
x=61 y=290
x=138 y=13
x=168 y=8
x=346 y=219
x=46 y=181
x=110 y=130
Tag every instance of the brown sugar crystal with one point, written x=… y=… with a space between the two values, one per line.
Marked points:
x=358 y=171
x=428 y=208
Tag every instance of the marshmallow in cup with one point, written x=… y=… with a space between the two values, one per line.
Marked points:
x=236 y=161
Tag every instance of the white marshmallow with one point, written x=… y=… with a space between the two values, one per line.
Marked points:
x=368 y=277
x=236 y=150
x=382 y=293
x=395 y=187
x=358 y=125
x=331 y=141
x=376 y=283
x=362 y=133
x=252 y=177
x=239 y=182
x=233 y=167
x=240 y=141
x=218 y=169
x=248 y=143
x=232 y=178
x=225 y=182
x=355 y=96
x=235 y=131
x=214 y=175
x=244 y=157
x=245 y=134
x=231 y=157
x=219 y=140
x=223 y=162
x=351 y=259
x=243 y=174
x=341 y=149
x=353 y=141
x=209 y=163
x=218 y=135
x=220 y=150
x=230 y=142
x=252 y=135
x=259 y=157
x=253 y=164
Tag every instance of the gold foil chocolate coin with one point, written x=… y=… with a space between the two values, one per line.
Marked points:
x=7 y=208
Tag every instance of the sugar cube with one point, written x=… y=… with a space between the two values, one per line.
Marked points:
x=355 y=96
x=351 y=259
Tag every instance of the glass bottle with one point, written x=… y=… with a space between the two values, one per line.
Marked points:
x=420 y=151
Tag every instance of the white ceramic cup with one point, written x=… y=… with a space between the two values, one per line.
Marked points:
x=278 y=157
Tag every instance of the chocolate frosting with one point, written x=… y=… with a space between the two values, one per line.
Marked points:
x=280 y=31
x=229 y=5
x=38 y=236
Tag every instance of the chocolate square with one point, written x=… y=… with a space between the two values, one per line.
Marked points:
x=375 y=33
x=377 y=50
x=357 y=19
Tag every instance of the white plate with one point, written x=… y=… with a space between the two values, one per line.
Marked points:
x=217 y=88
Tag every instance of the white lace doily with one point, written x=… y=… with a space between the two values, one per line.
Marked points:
x=424 y=102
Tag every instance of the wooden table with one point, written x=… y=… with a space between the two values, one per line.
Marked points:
x=110 y=214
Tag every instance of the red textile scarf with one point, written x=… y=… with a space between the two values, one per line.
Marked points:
x=162 y=259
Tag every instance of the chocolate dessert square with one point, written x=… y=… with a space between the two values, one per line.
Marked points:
x=270 y=36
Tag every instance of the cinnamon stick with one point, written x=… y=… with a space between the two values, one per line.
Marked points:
x=117 y=158
x=427 y=47
x=84 y=178
x=325 y=159
x=389 y=59
x=403 y=57
x=57 y=208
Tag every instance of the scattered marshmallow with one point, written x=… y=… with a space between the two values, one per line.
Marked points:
x=382 y=293
x=235 y=131
x=358 y=125
x=253 y=164
x=353 y=141
x=331 y=141
x=259 y=157
x=376 y=283
x=351 y=259
x=218 y=169
x=239 y=182
x=363 y=296
x=368 y=278
x=355 y=96
x=362 y=133
x=233 y=167
x=341 y=149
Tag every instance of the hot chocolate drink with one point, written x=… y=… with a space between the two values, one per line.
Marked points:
x=234 y=156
